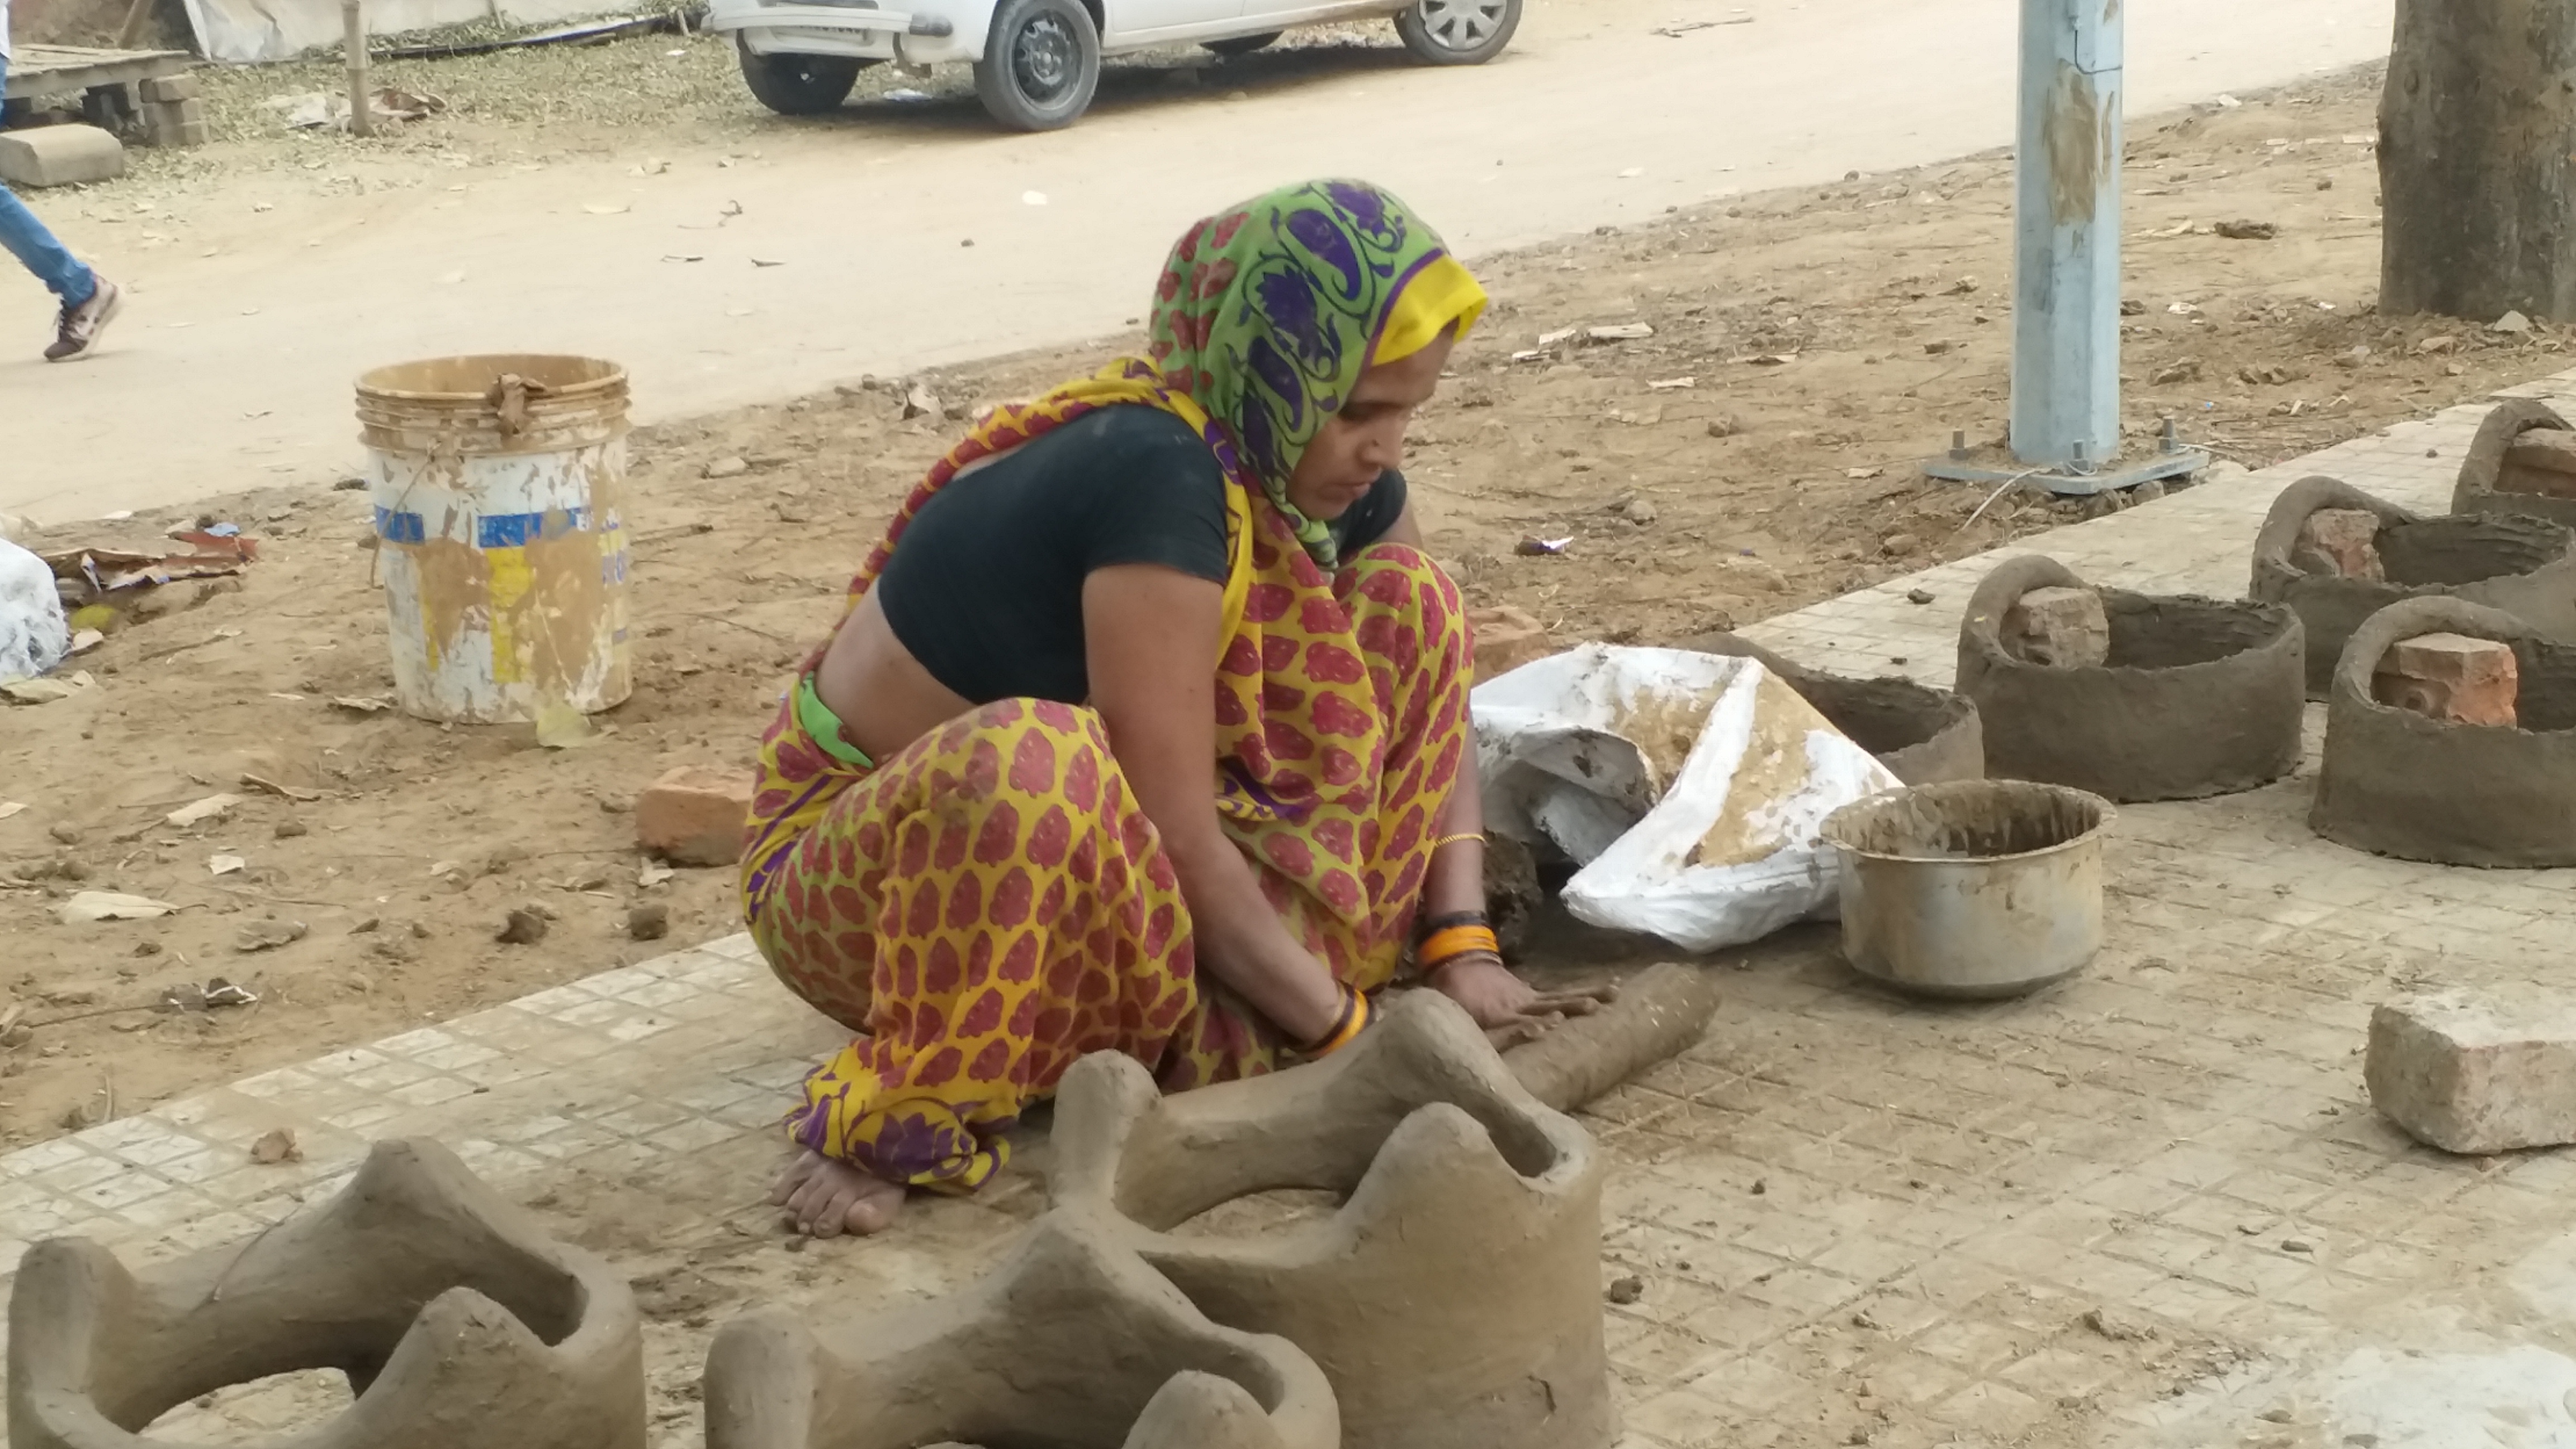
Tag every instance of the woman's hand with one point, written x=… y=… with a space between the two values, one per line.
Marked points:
x=1509 y=1009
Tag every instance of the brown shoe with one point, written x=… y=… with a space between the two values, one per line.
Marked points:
x=80 y=326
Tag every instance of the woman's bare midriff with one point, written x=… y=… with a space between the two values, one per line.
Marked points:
x=884 y=696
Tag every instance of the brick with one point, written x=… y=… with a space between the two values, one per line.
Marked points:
x=2450 y=677
x=2476 y=1073
x=59 y=156
x=2542 y=461
x=692 y=816
x=1506 y=639
x=2059 y=628
x=171 y=88
x=2341 y=541
x=176 y=123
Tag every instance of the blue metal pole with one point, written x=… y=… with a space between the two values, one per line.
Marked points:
x=2066 y=242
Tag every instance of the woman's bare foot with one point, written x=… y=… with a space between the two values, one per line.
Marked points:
x=825 y=1199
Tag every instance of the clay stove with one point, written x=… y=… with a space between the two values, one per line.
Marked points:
x=2402 y=781
x=2522 y=461
x=1923 y=735
x=1454 y=1299
x=2136 y=697
x=1072 y=1341
x=2320 y=557
x=456 y=1320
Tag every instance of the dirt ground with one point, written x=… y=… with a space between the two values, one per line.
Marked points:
x=1755 y=454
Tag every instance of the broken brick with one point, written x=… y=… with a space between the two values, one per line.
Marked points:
x=2476 y=1073
x=1506 y=638
x=2451 y=677
x=2059 y=629
x=2340 y=541
x=692 y=816
x=2541 y=461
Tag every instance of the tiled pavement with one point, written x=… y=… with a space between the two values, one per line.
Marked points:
x=1856 y=1219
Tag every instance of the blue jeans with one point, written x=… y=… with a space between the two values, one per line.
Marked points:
x=28 y=241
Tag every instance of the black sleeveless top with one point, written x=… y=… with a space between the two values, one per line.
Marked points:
x=986 y=588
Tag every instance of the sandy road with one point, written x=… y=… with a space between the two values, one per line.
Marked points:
x=232 y=366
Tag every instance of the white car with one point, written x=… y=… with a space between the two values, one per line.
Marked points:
x=1037 y=61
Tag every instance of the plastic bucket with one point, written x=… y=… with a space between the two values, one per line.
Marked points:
x=498 y=484
x=1971 y=888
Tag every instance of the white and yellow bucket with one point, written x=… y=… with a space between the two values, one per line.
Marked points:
x=498 y=485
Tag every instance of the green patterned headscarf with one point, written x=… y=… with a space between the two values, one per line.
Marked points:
x=1268 y=313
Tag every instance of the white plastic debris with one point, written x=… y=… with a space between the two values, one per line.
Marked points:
x=33 y=633
x=1689 y=787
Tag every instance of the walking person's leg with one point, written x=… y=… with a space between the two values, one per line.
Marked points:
x=88 y=300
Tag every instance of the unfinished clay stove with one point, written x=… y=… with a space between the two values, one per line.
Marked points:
x=2195 y=696
x=1921 y=734
x=2517 y=563
x=1453 y=1301
x=456 y=1320
x=1073 y=1342
x=2400 y=782
x=2522 y=461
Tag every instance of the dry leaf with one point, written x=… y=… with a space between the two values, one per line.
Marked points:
x=275 y=1146
x=225 y=864
x=362 y=704
x=268 y=786
x=562 y=727
x=9 y=808
x=1620 y=332
x=1673 y=384
x=653 y=874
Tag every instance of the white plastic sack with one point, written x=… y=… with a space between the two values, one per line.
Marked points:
x=33 y=634
x=1689 y=787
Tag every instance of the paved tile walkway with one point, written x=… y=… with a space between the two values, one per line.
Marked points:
x=2149 y=1206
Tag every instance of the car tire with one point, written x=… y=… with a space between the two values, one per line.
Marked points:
x=800 y=85
x=1457 y=32
x=1041 y=64
x=1243 y=44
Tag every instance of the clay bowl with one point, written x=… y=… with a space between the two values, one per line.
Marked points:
x=2521 y=564
x=1974 y=888
x=2395 y=782
x=2198 y=696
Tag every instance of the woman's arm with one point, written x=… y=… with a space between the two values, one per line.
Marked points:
x=1151 y=636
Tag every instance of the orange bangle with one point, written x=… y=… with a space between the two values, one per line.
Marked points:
x=1355 y=1015
x=1442 y=947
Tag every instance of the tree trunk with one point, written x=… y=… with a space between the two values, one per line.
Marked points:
x=2477 y=160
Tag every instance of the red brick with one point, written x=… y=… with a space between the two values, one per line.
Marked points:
x=2450 y=677
x=2541 y=461
x=692 y=816
x=1506 y=639
x=2341 y=541
x=2059 y=628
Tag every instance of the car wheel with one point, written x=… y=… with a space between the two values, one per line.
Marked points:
x=1041 y=63
x=1458 y=32
x=1243 y=44
x=800 y=85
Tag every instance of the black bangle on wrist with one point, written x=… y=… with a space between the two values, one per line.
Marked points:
x=1453 y=918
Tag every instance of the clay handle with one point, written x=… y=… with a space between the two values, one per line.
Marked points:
x=1981 y=628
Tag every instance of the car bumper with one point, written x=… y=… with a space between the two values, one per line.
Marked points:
x=923 y=34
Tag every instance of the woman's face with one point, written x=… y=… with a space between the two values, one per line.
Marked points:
x=1366 y=438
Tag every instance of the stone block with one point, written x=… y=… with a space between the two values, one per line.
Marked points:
x=2475 y=1073
x=59 y=156
x=2451 y=677
x=2542 y=461
x=2340 y=541
x=171 y=88
x=2059 y=628
x=692 y=816
x=175 y=123
x=1506 y=638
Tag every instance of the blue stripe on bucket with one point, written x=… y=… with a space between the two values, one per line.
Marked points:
x=395 y=527
x=518 y=530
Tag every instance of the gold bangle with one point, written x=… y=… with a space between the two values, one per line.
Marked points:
x=1355 y=1016
x=1444 y=842
x=1441 y=947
